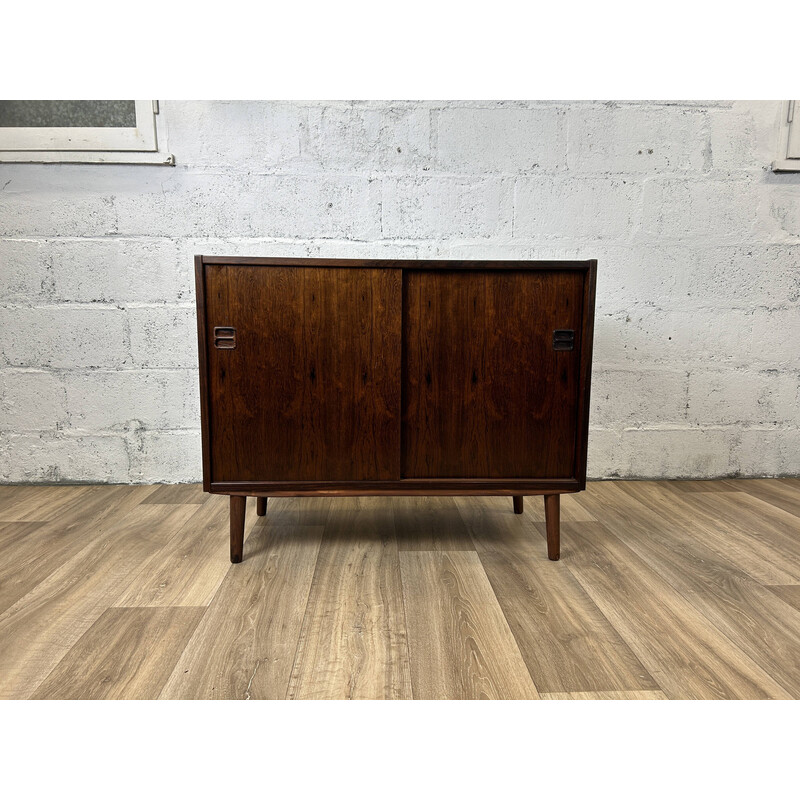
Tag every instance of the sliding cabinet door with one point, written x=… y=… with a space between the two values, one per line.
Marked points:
x=303 y=373
x=486 y=392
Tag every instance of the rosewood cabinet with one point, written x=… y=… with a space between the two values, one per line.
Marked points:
x=340 y=377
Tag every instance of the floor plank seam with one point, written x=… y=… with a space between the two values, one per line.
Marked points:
x=664 y=592
x=642 y=653
x=497 y=599
x=298 y=646
x=687 y=596
x=406 y=636
x=508 y=624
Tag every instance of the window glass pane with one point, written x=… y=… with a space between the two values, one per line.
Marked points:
x=67 y=114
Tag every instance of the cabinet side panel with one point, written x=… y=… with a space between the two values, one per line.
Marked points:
x=484 y=392
x=202 y=357
x=311 y=389
x=587 y=343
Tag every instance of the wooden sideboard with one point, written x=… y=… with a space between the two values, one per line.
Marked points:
x=377 y=377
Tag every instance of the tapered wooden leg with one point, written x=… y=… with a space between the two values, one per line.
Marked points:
x=261 y=506
x=552 y=514
x=519 y=503
x=238 y=505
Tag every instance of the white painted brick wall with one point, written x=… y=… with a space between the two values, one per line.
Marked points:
x=160 y=399
x=590 y=208
x=507 y=140
x=446 y=207
x=64 y=336
x=637 y=140
x=697 y=354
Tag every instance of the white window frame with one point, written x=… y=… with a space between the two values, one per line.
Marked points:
x=789 y=139
x=139 y=145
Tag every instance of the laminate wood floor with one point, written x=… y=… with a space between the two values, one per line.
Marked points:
x=665 y=590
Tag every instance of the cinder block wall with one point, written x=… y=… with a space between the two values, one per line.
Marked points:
x=697 y=343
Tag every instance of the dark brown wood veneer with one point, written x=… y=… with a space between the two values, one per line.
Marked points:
x=347 y=377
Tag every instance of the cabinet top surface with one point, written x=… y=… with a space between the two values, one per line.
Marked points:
x=394 y=263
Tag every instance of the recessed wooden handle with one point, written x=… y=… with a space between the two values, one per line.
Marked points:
x=563 y=340
x=225 y=338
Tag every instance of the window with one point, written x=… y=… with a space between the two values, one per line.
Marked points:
x=789 y=148
x=82 y=131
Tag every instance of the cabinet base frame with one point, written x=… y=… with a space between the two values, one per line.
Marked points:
x=552 y=512
x=414 y=487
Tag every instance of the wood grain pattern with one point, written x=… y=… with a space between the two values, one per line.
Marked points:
x=383 y=377
x=552 y=519
x=245 y=645
x=238 y=509
x=666 y=595
x=86 y=514
x=570 y=511
x=730 y=538
x=567 y=643
x=408 y=487
x=190 y=567
x=12 y=533
x=761 y=538
x=12 y=492
x=759 y=627
x=353 y=640
x=584 y=390
x=374 y=263
x=127 y=653
x=40 y=628
x=430 y=523
x=604 y=696
x=484 y=392
x=682 y=487
x=39 y=503
x=780 y=493
x=178 y=493
x=687 y=656
x=324 y=400
x=789 y=595
x=204 y=363
x=286 y=511
x=460 y=643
